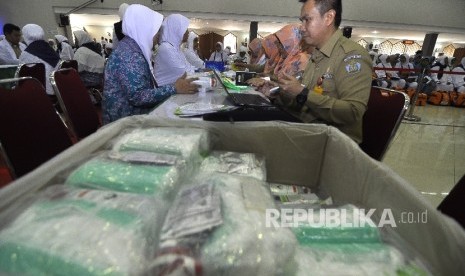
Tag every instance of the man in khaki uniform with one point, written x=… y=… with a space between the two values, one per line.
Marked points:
x=337 y=81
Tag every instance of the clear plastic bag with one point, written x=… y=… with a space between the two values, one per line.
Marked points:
x=71 y=231
x=246 y=164
x=243 y=245
x=190 y=143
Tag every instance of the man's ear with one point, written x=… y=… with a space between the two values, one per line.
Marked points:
x=330 y=16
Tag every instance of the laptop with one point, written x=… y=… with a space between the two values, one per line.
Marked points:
x=251 y=107
x=243 y=99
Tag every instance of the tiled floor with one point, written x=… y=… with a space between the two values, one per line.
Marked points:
x=430 y=154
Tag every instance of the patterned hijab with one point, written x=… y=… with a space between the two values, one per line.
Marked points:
x=271 y=52
x=296 y=60
x=257 y=50
x=142 y=31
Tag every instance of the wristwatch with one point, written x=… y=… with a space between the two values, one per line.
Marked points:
x=301 y=98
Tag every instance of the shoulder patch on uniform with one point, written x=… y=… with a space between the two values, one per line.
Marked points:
x=353 y=66
x=352 y=57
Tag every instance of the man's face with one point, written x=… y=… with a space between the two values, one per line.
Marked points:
x=315 y=27
x=14 y=37
x=218 y=48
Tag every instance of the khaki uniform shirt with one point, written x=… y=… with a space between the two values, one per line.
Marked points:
x=342 y=69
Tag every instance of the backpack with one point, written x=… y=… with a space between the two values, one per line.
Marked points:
x=439 y=98
x=457 y=99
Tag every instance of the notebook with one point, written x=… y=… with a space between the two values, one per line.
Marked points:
x=251 y=107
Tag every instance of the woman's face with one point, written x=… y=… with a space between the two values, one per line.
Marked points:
x=218 y=47
x=196 y=43
x=156 y=39
x=185 y=36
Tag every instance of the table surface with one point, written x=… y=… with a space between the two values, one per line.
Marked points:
x=215 y=96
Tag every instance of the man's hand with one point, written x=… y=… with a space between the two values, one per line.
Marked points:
x=185 y=86
x=290 y=86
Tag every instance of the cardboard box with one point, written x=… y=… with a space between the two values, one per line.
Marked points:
x=302 y=154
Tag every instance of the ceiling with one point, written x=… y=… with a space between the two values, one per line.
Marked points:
x=378 y=34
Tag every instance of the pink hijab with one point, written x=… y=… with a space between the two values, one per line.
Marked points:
x=296 y=60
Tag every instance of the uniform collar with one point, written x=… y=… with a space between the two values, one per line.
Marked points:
x=328 y=47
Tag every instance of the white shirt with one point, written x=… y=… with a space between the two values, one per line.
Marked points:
x=7 y=54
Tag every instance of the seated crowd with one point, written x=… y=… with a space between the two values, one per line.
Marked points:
x=323 y=77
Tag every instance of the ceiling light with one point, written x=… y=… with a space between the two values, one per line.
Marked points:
x=374 y=32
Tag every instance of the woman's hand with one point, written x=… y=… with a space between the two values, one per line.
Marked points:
x=185 y=85
x=257 y=82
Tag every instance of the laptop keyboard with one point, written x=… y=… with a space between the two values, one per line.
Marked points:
x=251 y=99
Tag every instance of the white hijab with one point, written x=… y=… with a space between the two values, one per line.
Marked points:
x=170 y=62
x=190 y=41
x=122 y=10
x=32 y=32
x=141 y=24
x=82 y=37
x=174 y=27
x=61 y=38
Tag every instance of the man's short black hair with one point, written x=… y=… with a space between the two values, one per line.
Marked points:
x=326 y=5
x=8 y=28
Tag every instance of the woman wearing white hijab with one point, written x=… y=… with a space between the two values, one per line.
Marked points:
x=170 y=62
x=219 y=54
x=90 y=62
x=64 y=49
x=39 y=51
x=442 y=79
x=130 y=87
x=191 y=51
x=459 y=80
x=382 y=74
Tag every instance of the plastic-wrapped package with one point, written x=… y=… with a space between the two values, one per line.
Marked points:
x=243 y=245
x=82 y=232
x=102 y=172
x=190 y=143
x=352 y=246
x=351 y=227
x=247 y=164
x=354 y=259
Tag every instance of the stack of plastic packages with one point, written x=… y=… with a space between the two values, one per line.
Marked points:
x=339 y=240
x=242 y=244
x=145 y=161
x=69 y=231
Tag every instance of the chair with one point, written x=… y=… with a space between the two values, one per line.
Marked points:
x=30 y=130
x=7 y=72
x=385 y=111
x=35 y=70
x=68 y=64
x=75 y=102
